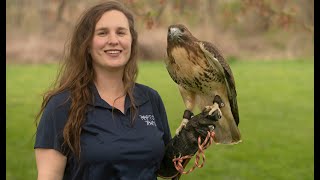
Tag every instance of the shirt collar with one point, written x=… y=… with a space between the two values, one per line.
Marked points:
x=140 y=96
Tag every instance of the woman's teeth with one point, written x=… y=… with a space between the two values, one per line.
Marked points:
x=113 y=52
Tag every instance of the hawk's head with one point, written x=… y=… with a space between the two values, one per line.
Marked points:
x=179 y=33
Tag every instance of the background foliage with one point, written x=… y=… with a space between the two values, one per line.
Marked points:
x=246 y=29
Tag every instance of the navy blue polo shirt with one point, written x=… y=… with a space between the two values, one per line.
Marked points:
x=111 y=148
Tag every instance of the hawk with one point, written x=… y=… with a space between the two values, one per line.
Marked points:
x=202 y=74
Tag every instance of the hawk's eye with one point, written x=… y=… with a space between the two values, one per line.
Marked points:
x=182 y=30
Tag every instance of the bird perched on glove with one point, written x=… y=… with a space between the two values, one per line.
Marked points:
x=202 y=74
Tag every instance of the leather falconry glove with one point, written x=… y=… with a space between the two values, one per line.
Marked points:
x=186 y=143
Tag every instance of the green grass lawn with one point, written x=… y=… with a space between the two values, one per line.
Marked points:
x=276 y=107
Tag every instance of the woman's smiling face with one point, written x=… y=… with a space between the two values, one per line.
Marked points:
x=110 y=48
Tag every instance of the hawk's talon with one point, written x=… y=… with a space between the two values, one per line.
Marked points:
x=216 y=115
x=214 y=112
x=182 y=125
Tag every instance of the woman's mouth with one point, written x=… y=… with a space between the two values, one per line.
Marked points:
x=113 y=52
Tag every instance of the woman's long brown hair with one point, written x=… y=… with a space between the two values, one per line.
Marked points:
x=76 y=72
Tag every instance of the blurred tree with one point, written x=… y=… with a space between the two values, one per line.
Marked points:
x=238 y=18
x=297 y=14
x=149 y=12
x=281 y=13
x=17 y=8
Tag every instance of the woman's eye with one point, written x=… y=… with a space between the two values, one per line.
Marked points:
x=121 y=33
x=102 y=33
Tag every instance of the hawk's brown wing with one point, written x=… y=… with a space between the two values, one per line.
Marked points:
x=232 y=94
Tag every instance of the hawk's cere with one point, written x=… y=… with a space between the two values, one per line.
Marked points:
x=201 y=73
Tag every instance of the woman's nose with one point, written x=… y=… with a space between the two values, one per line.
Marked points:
x=113 y=39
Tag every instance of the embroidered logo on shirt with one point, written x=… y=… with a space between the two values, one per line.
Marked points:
x=149 y=120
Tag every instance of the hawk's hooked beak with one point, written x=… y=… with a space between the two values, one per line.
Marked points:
x=174 y=32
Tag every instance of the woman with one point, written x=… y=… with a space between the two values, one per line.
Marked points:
x=97 y=122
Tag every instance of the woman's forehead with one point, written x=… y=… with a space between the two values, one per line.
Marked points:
x=113 y=19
